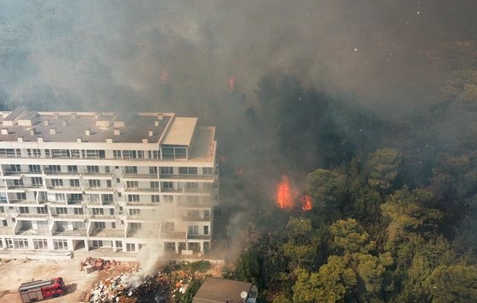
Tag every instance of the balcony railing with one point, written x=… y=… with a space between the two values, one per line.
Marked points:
x=107 y=232
x=80 y=232
x=198 y=237
x=200 y=219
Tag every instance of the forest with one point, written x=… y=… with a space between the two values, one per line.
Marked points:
x=394 y=202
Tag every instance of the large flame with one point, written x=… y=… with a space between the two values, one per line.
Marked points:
x=306 y=203
x=284 y=197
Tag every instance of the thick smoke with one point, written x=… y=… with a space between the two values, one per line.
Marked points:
x=179 y=56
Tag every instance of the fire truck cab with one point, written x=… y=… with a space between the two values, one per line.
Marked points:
x=39 y=290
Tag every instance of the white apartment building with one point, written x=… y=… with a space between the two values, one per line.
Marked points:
x=83 y=180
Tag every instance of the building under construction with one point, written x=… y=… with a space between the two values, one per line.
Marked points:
x=72 y=180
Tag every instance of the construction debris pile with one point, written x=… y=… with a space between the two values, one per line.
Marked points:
x=129 y=288
x=97 y=263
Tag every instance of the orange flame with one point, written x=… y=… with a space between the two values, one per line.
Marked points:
x=306 y=203
x=284 y=197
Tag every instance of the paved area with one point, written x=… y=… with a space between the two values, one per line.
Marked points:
x=15 y=272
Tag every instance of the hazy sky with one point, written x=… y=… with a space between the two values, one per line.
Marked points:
x=178 y=55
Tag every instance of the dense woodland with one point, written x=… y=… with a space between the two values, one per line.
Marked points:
x=394 y=215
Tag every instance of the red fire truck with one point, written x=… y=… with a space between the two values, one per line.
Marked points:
x=39 y=290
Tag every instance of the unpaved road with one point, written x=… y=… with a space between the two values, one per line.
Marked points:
x=15 y=272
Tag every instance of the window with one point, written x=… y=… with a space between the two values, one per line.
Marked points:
x=154 y=185
x=155 y=199
x=180 y=153
x=193 y=213
x=193 y=230
x=168 y=226
x=206 y=230
x=9 y=243
x=109 y=184
x=75 y=197
x=167 y=153
x=9 y=153
x=21 y=196
x=193 y=199
x=167 y=185
x=15 y=168
x=111 y=211
x=133 y=198
x=75 y=153
x=99 y=225
x=134 y=212
x=136 y=226
x=153 y=170
x=37 y=181
x=140 y=154
x=208 y=171
x=47 y=153
x=93 y=154
x=72 y=169
x=129 y=154
x=33 y=153
x=97 y=243
x=74 y=183
x=130 y=247
x=20 y=243
x=155 y=154
x=61 y=210
x=34 y=168
x=78 y=211
x=40 y=244
x=98 y=211
x=117 y=154
x=132 y=184
x=94 y=183
x=206 y=213
x=60 y=153
x=24 y=210
x=131 y=169
x=54 y=168
x=107 y=169
x=192 y=186
x=167 y=171
x=60 y=244
x=18 y=182
x=41 y=210
x=187 y=170
x=168 y=199
x=59 y=197
x=92 y=169
x=107 y=198
x=56 y=182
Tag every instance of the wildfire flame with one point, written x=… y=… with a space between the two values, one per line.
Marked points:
x=284 y=196
x=306 y=203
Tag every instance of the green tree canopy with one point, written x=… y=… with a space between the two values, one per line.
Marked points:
x=350 y=237
x=454 y=284
x=383 y=166
x=327 y=188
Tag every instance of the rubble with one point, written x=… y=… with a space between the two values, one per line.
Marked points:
x=97 y=264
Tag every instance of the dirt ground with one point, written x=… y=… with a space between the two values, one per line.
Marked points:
x=15 y=272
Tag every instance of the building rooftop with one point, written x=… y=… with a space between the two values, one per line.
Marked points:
x=218 y=290
x=162 y=128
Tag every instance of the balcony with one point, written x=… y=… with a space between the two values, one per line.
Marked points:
x=138 y=190
x=100 y=218
x=142 y=233
x=174 y=235
x=23 y=216
x=33 y=232
x=107 y=232
x=172 y=190
x=98 y=190
x=150 y=205
x=80 y=232
x=6 y=230
x=139 y=177
x=196 y=219
x=65 y=189
x=26 y=202
x=61 y=175
x=70 y=217
x=205 y=204
x=198 y=237
x=188 y=178
x=96 y=175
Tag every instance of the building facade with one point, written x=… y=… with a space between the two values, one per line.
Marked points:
x=83 y=180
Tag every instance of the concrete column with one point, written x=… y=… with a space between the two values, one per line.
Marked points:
x=114 y=245
x=30 y=244
x=70 y=245
x=86 y=246
x=176 y=247
x=202 y=246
